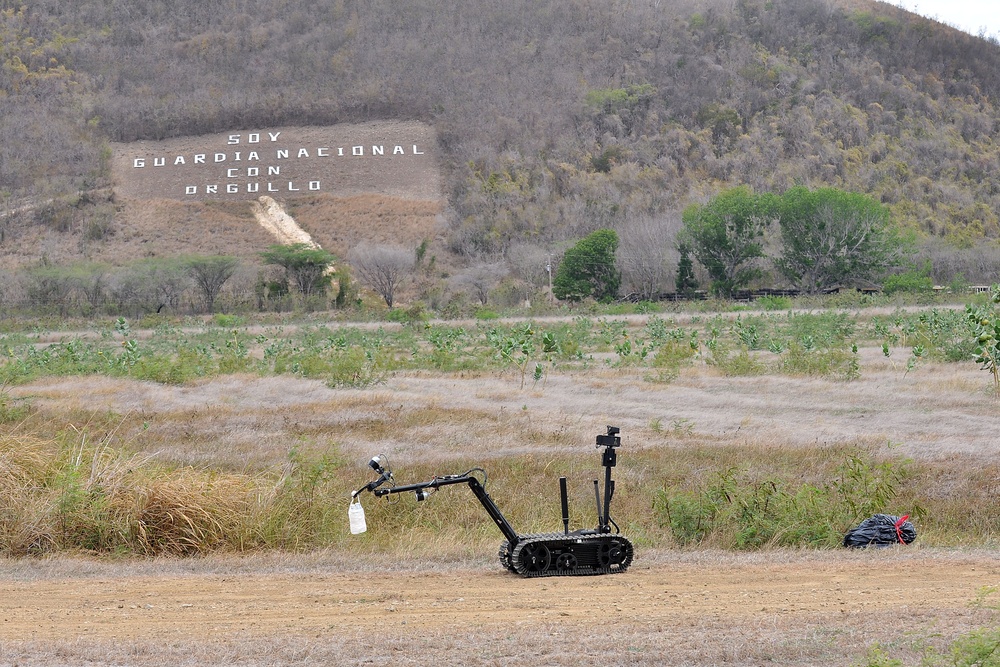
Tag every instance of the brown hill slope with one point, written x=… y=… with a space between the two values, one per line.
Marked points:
x=339 y=192
x=552 y=119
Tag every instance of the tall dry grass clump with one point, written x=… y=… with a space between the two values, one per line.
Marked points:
x=100 y=499
x=22 y=513
x=192 y=512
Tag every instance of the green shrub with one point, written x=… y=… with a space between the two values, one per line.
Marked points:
x=910 y=281
x=774 y=303
x=804 y=359
x=413 y=314
x=13 y=410
x=740 y=508
x=740 y=364
x=186 y=365
x=689 y=516
x=227 y=321
x=670 y=358
x=877 y=657
x=356 y=368
x=978 y=648
x=486 y=314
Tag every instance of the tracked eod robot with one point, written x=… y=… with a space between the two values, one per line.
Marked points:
x=600 y=550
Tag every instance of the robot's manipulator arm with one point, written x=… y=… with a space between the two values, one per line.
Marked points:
x=423 y=490
x=380 y=464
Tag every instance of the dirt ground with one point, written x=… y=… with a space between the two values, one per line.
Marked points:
x=669 y=608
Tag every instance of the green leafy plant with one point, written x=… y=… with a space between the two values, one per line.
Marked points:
x=985 y=321
x=515 y=346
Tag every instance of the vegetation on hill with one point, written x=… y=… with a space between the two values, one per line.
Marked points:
x=829 y=238
x=556 y=119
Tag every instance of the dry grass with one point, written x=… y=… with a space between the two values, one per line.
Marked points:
x=229 y=228
x=93 y=497
x=769 y=640
x=257 y=429
x=934 y=411
x=340 y=223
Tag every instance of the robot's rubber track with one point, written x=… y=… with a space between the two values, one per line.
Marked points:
x=505 y=556
x=561 y=555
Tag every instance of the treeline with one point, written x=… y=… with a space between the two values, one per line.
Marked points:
x=390 y=281
x=556 y=119
x=169 y=286
x=297 y=276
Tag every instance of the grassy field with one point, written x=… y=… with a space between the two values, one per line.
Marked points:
x=744 y=432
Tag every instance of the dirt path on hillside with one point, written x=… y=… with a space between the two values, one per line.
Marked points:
x=827 y=590
x=272 y=217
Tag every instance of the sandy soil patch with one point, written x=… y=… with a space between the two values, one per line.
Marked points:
x=669 y=608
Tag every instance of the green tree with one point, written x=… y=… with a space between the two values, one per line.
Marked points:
x=685 y=283
x=588 y=269
x=830 y=236
x=306 y=266
x=727 y=236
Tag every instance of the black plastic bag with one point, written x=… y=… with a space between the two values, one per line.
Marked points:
x=881 y=530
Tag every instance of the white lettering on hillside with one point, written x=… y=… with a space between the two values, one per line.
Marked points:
x=233 y=178
x=375 y=150
x=252 y=187
x=252 y=138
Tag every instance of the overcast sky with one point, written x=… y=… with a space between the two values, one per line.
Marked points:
x=967 y=15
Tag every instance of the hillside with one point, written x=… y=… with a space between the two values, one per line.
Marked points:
x=553 y=119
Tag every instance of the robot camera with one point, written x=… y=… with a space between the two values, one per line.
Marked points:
x=612 y=439
x=377 y=463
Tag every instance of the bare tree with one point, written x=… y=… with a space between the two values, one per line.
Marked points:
x=480 y=280
x=646 y=249
x=91 y=280
x=210 y=274
x=162 y=281
x=382 y=267
x=977 y=265
x=531 y=263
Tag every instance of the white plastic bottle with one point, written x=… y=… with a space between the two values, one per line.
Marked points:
x=356 y=514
